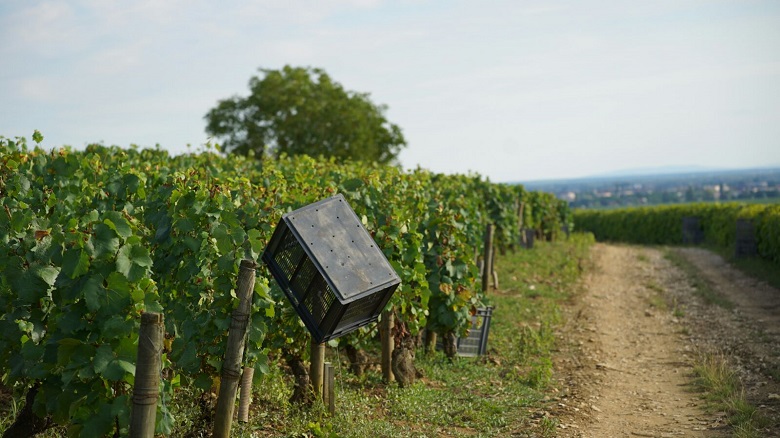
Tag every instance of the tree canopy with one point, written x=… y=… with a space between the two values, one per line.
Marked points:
x=299 y=110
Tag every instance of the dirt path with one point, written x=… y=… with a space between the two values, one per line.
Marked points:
x=633 y=336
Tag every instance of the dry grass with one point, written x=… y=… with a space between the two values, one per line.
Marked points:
x=721 y=387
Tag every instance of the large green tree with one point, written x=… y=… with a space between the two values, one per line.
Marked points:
x=299 y=110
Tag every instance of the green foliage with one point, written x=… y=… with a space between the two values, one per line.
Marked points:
x=77 y=277
x=91 y=239
x=298 y=111
x=548 y=215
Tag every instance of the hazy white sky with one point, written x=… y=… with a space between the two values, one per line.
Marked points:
x=515 y=90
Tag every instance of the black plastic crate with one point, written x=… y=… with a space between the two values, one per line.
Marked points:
x=745 y=239
x=528 y=238
x=330 y=268
x=692 y=233
x=475 y=344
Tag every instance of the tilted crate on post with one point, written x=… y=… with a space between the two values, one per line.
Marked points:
x=329 y=267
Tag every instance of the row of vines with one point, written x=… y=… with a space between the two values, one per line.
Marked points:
x=91 y=239
x=663 y=224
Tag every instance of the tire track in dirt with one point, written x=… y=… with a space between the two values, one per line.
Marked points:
x=625 y=366
x=747 y=334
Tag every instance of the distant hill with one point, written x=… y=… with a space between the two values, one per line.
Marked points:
x=655 y=171
x=650 y=174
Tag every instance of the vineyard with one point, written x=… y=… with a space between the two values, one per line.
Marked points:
x=663 y=225
x=92 y=239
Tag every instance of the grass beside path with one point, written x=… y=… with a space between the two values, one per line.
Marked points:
x=490 y=396
x=723 y=391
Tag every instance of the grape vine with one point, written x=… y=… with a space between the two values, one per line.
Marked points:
x=90 y=239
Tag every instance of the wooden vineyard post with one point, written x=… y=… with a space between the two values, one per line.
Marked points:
x=520 y=209
x=146 y=389
x=493 y=271
x=325 y=383
x=245 y=398
x=317 y=367
x=386 y=335
x=231 y=367
x=329 y=396
x=487 y=269
x=430 y=340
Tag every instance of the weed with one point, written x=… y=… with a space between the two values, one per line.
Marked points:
x=10 y=412
x=715 y=378
x=658 y=302
x=540 y=373
x=723 y=390
x=655 y=287
x=678 y=311
x=548 y=426
x=658 y=299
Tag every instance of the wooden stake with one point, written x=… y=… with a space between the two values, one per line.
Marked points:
x=430 y=341
x=231 y=366
x=520 y=209
x=245 y=398
x=386 y=334
x=488 y=257
x=146 y=389
x=317 y=367
x=493 y=270
x=325 y=383
x=331 y=393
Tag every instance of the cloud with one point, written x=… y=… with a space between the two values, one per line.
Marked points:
x=38 y=89
x=40 y=29
x=521 y=82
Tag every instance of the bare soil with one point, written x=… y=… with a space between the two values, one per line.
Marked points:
x=632 y=337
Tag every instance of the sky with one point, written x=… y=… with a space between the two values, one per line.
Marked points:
x=515 y=90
